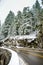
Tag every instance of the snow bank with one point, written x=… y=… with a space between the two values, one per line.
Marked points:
x=14 y=58
x=32 y=35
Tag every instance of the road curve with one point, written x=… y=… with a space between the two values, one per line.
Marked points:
x=32 y=58
x=14 y=58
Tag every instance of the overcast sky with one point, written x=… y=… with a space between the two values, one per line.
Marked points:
x=14 y=5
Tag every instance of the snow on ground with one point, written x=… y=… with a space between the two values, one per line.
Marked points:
x=19 y=47
x=14 y=58
x=32 y=35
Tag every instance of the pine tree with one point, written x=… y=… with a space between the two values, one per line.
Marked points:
x=8 y=21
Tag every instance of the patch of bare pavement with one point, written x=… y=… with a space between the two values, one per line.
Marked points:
x=26 y=49
x=30 y=56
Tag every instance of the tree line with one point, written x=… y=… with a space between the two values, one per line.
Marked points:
x=25 y=22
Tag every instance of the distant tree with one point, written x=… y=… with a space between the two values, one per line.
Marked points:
x=8 y=21
x=10 y=18
x=37 y=5
x=26 y=12
x=19 y=15
x=36 y=12
x=18 y=21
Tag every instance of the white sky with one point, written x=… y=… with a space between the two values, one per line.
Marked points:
x=14 y=5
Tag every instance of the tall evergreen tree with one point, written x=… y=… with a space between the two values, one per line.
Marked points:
x=8 y=21
x=38 y=13
x=40 y=35
x=37 y=5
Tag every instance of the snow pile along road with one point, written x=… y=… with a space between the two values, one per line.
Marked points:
x=14 y=58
